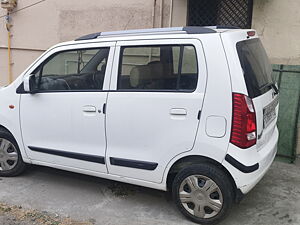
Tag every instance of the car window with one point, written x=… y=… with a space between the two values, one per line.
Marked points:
x=189 y=60
x=161 y=68
x=256 y=66
x=82 y=69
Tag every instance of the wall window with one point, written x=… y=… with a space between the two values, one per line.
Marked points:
x=236 y=13
x=82 y=69
x=162 y=67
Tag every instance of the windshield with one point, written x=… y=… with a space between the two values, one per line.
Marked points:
x=256 y=67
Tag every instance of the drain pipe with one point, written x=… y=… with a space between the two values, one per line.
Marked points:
x=8 y=27
x=171 y=13
x=153 y=13
x=161 y=12
x=9 y=5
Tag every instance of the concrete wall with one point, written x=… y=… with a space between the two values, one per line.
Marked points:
x=278 y=24
x=179 y=13
x=40 y=26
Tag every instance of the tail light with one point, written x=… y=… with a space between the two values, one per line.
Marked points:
x=251 y=33
x=243 y=132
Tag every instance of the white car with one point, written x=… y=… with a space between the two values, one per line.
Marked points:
x=192 y=110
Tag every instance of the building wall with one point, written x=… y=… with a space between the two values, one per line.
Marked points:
x=40 y=26
x=278 y=24
x=179 y=13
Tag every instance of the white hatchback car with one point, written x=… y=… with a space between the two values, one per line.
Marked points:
x=188 y=109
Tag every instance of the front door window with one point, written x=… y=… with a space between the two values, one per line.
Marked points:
x=75 y=70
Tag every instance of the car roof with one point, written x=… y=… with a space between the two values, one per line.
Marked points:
x=152 y=33
x=155 y=31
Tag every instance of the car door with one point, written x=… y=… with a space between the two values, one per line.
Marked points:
x=261 y=87
x=154 y=106
x=62 y=123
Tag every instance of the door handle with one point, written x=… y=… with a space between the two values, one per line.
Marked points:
x=89 y=108
x=178 y=111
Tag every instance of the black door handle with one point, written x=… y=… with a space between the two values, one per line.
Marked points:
x=104 y=108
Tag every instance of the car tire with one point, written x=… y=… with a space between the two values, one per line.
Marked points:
x=11 y=162
x=203 y=193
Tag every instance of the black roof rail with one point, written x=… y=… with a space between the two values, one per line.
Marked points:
x=88 y=36
x=198 y=30
x=187 y=30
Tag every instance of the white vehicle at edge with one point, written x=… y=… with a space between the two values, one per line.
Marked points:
x=192 y=110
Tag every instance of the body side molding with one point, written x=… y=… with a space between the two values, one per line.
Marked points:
x=133 y=163
x=73 y=155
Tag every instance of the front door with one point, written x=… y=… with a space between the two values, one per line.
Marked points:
x=152 y=115
x=63 y=123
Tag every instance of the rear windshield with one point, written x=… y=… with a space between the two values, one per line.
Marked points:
x=256 y=67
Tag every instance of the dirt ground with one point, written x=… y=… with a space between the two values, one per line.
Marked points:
x=45 y=196
x=16 y=215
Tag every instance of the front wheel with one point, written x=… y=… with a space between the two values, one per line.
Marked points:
x=203 y=193
x=11 y=162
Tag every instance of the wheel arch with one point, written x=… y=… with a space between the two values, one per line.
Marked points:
x=192 y=160
x=18 y=139
x=4 y=128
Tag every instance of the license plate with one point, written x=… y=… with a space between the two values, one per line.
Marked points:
x=270 y=112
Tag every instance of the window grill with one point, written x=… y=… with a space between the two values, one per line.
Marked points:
x=236 y=13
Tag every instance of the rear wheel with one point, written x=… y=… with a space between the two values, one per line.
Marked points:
x=203 y=193
x=11 y=163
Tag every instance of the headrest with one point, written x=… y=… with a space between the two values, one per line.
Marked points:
x=138 y=73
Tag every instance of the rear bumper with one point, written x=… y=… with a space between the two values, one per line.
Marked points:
x=241 y=167
x=247 y=167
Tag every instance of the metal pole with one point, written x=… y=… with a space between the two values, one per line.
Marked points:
x=161 y=13
x=153 y=13
x=8 y=27
x=171 y=13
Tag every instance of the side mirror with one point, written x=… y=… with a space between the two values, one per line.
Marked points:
x=29 y=84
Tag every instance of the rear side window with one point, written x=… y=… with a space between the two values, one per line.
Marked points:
x=256 y=67
x=158 y=68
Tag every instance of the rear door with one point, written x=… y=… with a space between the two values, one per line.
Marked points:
x=250 y=66
x=153 y=108
x=260 y=86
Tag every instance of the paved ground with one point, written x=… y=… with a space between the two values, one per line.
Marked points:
x=59 y=196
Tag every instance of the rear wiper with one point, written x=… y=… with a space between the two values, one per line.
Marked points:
x=275 y=88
